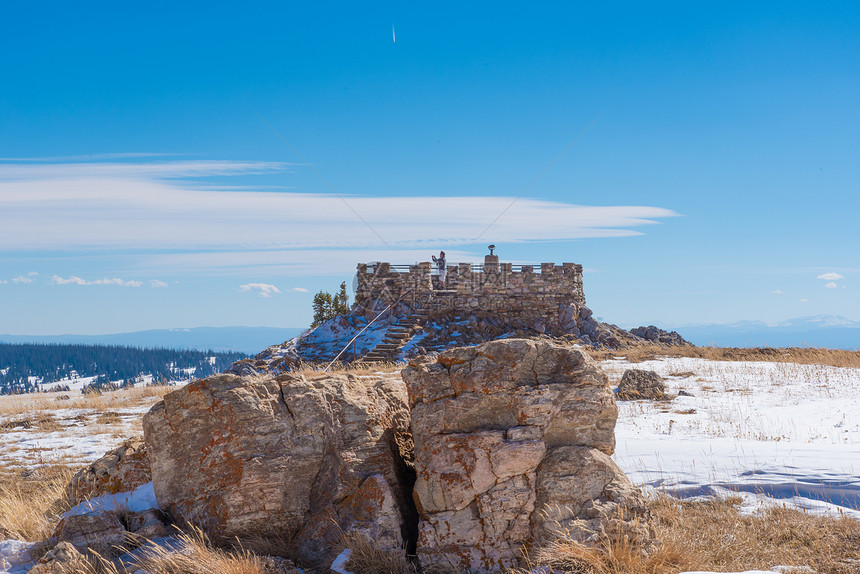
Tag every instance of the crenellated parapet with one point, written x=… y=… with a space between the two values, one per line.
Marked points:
x=493 y=286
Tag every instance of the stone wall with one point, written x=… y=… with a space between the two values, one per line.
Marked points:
x=490 y=288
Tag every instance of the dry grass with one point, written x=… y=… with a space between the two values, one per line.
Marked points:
x=713 y=535
x=13 y=405
x=31 y=502
x=719 y=537
x=197 y=556
x=802 y=355
x=338 y=368
x=366 y=558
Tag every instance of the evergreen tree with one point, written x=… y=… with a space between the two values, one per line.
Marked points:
x=340 y=303
x=322 y=307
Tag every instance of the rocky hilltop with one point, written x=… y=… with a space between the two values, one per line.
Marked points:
x=406 y=311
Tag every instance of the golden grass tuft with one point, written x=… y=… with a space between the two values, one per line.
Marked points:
x=37 y=404
x=802 y=355
x=32 y=501
x=713 y=535
x=339 y=368
x=366 y=558
x=197 y=556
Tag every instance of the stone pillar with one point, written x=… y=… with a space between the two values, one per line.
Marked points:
x=425 y=282
x=491 y=263
x=464 y=285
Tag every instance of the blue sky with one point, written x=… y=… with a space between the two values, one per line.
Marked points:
x=150 y=177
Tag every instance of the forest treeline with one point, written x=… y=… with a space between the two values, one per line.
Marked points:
x=112 y=365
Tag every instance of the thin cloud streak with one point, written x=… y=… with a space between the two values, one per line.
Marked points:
x=91 y=157
x=143 y=170
x=98 y=213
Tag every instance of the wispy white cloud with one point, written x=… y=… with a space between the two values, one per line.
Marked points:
x=777 y=292
x=75 y=280
x=157 y=284
x=138 y=207
x=831 y=285
x=264 y=289
x=29 y=278
x=91 y=157
x=299 y=290
x=803 y=300
x=135 y=170
x=831 y=276
x=3 y=282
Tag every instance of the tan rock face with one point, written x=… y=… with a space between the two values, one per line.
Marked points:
x=120 y=470
x=512 y=443
x=302 y=458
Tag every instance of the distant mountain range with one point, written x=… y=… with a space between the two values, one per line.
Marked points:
x=829 y=331
x=816 y=331
x=250 y=340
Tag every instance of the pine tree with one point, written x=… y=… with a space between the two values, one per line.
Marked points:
x=340 y=303
x=322 y=307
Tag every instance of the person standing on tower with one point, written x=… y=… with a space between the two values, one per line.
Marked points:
x=440 y=265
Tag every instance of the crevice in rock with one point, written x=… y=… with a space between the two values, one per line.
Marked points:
x=400 y=442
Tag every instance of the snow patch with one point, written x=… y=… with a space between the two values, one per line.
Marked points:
x=140 y=499
x=15 y=556
x=339 y=564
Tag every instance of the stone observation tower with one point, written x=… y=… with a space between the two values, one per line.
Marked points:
x=545 y=297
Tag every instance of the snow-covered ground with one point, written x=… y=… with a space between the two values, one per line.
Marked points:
x=771 y=433
x=768 y=432
x=68 y=428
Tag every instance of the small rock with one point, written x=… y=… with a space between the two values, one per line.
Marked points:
x=98 y=531
x=278 y=565
x=683 y=393
x=147 y=524
x=120 y=470
x=637 y=384
x=64 y=558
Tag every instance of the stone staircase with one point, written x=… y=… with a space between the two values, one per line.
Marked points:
x=398 y=334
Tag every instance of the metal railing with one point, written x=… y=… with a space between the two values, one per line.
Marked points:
x=474 y=267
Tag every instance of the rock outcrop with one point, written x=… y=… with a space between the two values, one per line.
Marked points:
x=512 y=445
x=302 y=458
x=658 y=335
x=639 y=384
x=120 y=470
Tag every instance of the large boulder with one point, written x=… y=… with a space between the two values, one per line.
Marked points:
x=120 y=470
x=640 y=384
x=512 y=446
x=306 y=459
